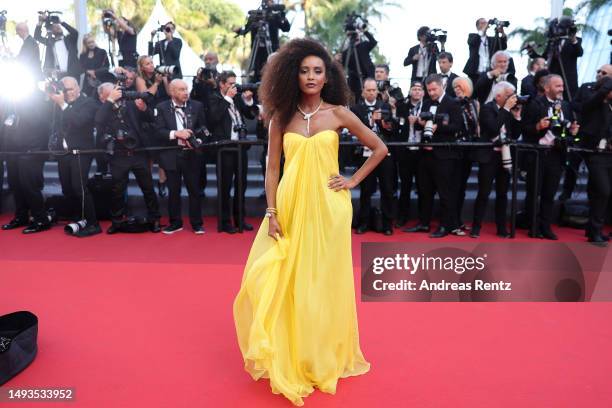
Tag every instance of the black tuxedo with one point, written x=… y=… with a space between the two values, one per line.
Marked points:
x=407 y=160
x=29 y=55
x=384 y=172
x=432 y=61
x=551 y=160
x=438 y=166
x=484 y=85
x=528 y=86
x=492 y=119
x=180 y=163
x=77 y=131
x=494 y=44
x=71 y=41
x=123 y=160
x=221 y=125
x=169 y=53
x=585 y=93
x=597 y=119
x=449 y=84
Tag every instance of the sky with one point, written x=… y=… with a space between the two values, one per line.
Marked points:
x=396 y=32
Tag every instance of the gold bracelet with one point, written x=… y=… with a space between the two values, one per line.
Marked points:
x=271 y=209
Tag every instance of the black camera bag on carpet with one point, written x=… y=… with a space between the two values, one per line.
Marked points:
x=18 y=343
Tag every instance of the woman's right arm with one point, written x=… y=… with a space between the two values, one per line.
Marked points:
x=275 y=143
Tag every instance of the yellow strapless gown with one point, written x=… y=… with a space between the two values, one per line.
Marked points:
x=295 y=313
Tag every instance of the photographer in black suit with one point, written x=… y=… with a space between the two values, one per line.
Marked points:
x=76 y=126
x=27 y=130
x=177 y=122
x=169 y=49
x=29 y=55
x=438 y=164
x=482 y=48
x=562 y=53
x=376 y=115
x=407 y=158
x=364 y=44
x=597 y=133
x=500 y=123
x=548 y=121
x=498 y=73
x=124 y=31
x=422 y=56
x=118 y=122
x=61 y=52
x=227 y=111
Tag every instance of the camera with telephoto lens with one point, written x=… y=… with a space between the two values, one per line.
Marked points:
x=265 y=13
x=167 y=70
x=199 y=137
x=355 y=22
x=563 y=27
x=499 y=23
x=74 y=227
x=430 y=119
x=50 y=18
x=133 y=95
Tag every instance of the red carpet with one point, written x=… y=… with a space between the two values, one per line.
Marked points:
x=145 y=321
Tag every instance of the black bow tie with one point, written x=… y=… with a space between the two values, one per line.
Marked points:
x=444 y=76
x=179 y=107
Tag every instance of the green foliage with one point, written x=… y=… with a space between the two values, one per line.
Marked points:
x=203 y=24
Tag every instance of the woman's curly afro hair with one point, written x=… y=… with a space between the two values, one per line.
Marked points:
x=280 y=91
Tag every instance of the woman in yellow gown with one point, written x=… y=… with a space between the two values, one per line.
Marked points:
x=295 y=313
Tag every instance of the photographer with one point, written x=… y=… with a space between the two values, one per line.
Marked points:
x=423 y=56
x=562 y=51
x=205 y=81
x=61 y=53
x=470 y=130
x=76 y=125
x=28 y=131
x=376 y=115
x=169 y=49
x=122 y=29
x=548 y=121
x=483 y=47
x=356 y=50
x=597 y=133
x=118 y=121
x=149 y=80
x=92 y=60
x=264 y=24
x=227 y=110
x=500 y=123
x=181 y=122
x=497 y=73
x=441 y=120
x=407 y=158
x=528 y=85
x=29 y=55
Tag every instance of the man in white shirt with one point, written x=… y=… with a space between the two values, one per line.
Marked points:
x=61 y=51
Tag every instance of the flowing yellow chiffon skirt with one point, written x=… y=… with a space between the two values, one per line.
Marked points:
x=295 y=313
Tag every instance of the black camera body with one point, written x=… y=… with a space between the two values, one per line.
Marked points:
x=254 y=87
x=431 y=119
x=123 y=136
x=207 y=73
x=563 y=27
x=265 y=13
x=436 y=34
x=499 y=23
x=200 y=136
x=355 y=22
x=51 y=17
